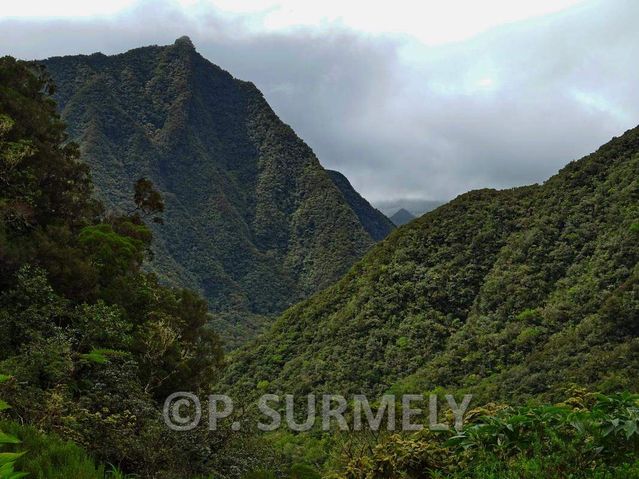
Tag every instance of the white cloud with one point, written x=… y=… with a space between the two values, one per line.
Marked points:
x=400 y=118
x=431 y=21
x=61 y=8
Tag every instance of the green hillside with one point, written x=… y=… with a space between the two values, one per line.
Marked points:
x=252 y=220
x=508 y=294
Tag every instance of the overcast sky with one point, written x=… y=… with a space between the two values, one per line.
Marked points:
x=410 y=101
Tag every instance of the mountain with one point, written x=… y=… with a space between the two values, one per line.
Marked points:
x=413 y=206
x=374 y=222
x=527 y=293
x=506 y=294
x=401 y=217
x=252 y=220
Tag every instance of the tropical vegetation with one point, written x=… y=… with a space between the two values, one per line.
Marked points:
x=526 y=298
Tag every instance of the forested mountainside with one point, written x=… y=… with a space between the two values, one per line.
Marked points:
x=507 y=294
x=252 y=219
x=238 y=326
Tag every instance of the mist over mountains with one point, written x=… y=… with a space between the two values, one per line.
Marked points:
x=415 y=207
x=402 y=216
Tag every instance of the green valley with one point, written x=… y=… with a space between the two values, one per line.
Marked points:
x=163 y=234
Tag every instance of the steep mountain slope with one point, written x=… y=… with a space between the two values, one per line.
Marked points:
x=511 y=293
x=252 y=220
x=374 y=222
x=401 y=217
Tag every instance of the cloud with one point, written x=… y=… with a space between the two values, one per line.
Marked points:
x=399 y=118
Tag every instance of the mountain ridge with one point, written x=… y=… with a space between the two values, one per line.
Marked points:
x=253 y=221
x=374 y=221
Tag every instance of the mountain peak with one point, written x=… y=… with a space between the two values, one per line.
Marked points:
x=250 y=202
x=184 y=41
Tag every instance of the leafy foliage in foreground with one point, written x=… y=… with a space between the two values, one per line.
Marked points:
x=48 y=457
x=506 y=294
x=8 y=459
x=589 y=436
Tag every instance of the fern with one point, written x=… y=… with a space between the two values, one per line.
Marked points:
x=8 y=459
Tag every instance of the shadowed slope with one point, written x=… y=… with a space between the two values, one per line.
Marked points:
x=252 y=220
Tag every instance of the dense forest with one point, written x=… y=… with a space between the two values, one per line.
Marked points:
x=526 y=298
x=253 y=221
x=517 y=296
x=91 y=342
x=507 y=294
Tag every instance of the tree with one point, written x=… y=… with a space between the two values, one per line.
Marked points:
x=93 y=340
x=148 y=200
